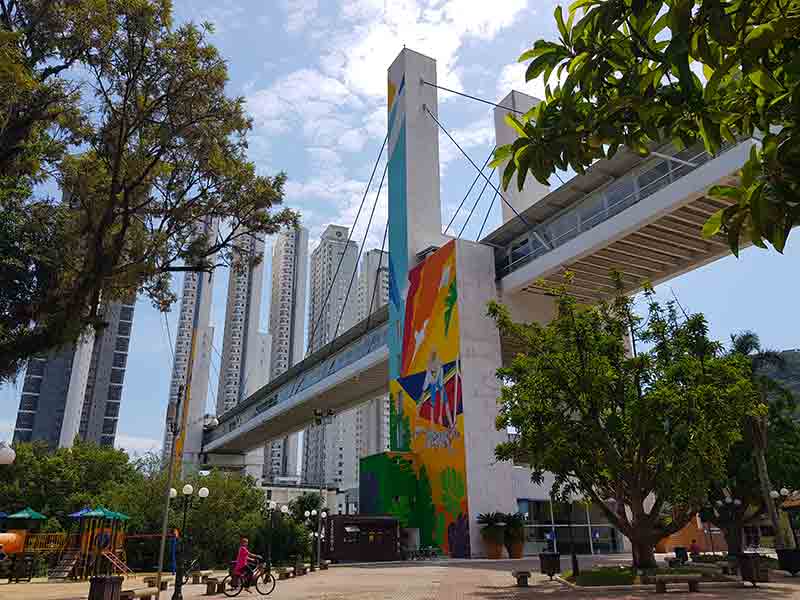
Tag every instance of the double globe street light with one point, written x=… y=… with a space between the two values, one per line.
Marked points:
x=188 y=497
x=272 y=510
x=318 y=533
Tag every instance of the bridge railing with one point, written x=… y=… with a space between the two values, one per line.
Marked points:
x=599 y=206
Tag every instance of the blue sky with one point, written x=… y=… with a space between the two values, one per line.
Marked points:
x=314 y=76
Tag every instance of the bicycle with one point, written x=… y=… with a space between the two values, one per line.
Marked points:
x=188 y=569
x=261 y=576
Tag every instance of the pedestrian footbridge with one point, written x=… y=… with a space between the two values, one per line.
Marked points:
x=640 y=216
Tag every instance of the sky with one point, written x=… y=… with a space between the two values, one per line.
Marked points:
x=314 y=78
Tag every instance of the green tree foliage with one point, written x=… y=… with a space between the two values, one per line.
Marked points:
x=629 y=72
x=290 y=540
x=640 y=434
x=151 y=151
x=305 y=502
x=61 y=482
x=778 y=421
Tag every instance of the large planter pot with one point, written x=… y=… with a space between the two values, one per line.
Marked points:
x=789 y=560
x=550 y=563
x=515 y=549
x=493 y=549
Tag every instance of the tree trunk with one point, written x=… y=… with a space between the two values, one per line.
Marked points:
x=733 y=538
x=643 y=552
x=783 y=537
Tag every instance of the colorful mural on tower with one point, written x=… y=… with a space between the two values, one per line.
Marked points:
x=423 y=480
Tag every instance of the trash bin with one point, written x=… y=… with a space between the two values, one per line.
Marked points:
x=682 y=554
x=105 y=588
x=550 y=563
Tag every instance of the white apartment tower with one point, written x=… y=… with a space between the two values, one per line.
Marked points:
x=192 y=359
x=242 y=361
x=329 y=450
x=372 y=418
x=286 y=327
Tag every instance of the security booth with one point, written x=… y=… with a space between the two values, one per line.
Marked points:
x=361 y=538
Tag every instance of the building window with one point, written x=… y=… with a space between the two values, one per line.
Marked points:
x=124 y=329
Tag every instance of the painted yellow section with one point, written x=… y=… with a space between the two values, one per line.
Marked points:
x=392 y=94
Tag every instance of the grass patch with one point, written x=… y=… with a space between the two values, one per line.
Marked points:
x=610 y=576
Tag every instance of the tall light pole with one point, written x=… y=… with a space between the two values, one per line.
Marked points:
x=173 y=425
x=187 y=490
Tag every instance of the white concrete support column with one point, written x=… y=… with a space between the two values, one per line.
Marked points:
x=76 y=392
x=195 y=411
x=505 y=134
x=489 y=482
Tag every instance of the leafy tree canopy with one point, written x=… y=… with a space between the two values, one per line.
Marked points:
x=642 y=434
x=643 y=72
x=129 y=116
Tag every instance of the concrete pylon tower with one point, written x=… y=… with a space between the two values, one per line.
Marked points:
x=533 y=191
x=443 y=351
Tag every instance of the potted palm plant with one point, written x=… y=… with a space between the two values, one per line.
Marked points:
x=492 y=532
x=514 y=535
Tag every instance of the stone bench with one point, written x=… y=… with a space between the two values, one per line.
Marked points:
x=150 y=581
x=302 y=568
x=147 y=593
x=662 y=581
x=284 y=572
x=324 y=564
x=522 y=577
x=729 y=567
x=201 y=576
x=213 y=586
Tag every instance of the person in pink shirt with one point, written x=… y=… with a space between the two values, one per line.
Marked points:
x=242 y=566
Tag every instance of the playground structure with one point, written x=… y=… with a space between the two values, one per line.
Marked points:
x=95 y=546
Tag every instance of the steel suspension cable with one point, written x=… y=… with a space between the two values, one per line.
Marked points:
x=439 y=87
x=469 y=191
x=377 y=277
x=347 y=243
x=472 y=162
x=475 y=204
x=486 y=218
x=361 y=250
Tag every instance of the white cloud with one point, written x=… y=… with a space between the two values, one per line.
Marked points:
x=300 y=13
x=512 y=77
x=137 y=445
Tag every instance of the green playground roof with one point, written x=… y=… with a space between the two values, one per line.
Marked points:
x=28 y=514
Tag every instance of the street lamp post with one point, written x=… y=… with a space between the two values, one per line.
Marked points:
x=187 y=490
x=780 y=497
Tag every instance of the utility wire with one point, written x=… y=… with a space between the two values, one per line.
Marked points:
x=469 y=191
x=486 y=218
x=472 y=162
x=360 y=251
x=519 y=112
x=475 y=205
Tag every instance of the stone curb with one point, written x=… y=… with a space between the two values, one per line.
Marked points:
x=639 y=587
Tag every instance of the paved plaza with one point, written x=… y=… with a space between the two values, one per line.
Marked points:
x=451 y=580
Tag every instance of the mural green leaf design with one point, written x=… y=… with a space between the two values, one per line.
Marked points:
x=450 y=304
x=401 y=509
x=441 y=530
x=453 y=490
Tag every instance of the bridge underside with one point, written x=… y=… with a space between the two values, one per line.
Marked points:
x=665 y=248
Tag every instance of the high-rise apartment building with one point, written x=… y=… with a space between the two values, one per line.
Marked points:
x=286 y=327
x=191 y=363
x=372 y=418
x=329 y=450
x=243 y=344
x=77 y=391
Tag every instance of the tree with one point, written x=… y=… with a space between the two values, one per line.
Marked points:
x=781 y=402
x=631 y=77
x=640 y=434
x=305 y=502
x=156 y=180
x=61 y=482
x=234 y=507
